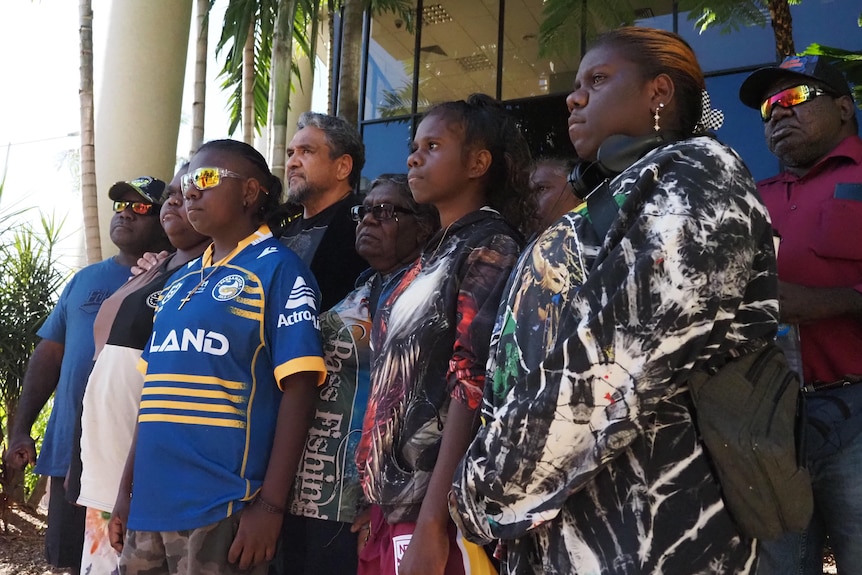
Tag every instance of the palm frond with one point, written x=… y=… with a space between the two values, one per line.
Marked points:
x=849 y=62
x=566 y=22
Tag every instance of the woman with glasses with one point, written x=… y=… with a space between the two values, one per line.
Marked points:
x=110 y=406
x=390 y=232
x=231 y=370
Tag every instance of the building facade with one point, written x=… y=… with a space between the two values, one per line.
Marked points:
x=457 y=47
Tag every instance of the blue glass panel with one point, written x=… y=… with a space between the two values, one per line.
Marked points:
x=828 y=22
x=749 y=46
x=386 y=148
x=662 y=22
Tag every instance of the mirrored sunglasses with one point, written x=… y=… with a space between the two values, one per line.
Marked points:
x=206 y=178
x=380 y=212
x=790 y=97
x=139 y=208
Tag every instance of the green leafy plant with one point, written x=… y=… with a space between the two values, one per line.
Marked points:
x=848 y=62
x=30 y=278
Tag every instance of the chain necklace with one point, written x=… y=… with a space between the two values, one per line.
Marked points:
x=204 y=279
x=440 y=243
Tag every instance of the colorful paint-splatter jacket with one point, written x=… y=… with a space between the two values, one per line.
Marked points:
x=429 y=342
x=588 y=460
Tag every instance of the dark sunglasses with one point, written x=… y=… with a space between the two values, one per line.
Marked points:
x=380 y=212
x=789 y=98
x=139 y=208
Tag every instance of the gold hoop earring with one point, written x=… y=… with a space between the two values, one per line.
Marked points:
x=656 y=116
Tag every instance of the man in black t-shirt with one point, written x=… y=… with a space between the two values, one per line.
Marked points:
x=325 y=159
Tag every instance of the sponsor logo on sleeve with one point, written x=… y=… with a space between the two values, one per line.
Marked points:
x=303 y=304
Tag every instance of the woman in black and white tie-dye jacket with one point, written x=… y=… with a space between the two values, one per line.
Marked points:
x=588 y=461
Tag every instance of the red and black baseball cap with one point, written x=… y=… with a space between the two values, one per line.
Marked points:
x=804 y=68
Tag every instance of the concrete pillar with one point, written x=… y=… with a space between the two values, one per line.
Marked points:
x=300 y=101
x=139 y=95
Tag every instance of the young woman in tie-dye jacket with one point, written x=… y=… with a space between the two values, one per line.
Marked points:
x=589 y=461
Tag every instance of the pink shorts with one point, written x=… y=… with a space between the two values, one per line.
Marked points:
x=387 y=543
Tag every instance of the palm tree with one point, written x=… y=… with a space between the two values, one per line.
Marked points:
x=248 y=86
x=730 y=15
x=352 y=12
x=272 y=27
x=88 y=148
x=200 y=86
x=247 y=22
x=593 y=16
x=279 y=98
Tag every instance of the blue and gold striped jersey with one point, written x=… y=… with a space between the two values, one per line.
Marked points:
x=224 y=335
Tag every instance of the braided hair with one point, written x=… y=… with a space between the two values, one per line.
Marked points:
x=270 y=200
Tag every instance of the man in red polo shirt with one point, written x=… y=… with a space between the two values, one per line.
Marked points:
x=816 y=207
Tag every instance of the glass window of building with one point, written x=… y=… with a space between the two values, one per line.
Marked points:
x=525 y=73
x=386 y=148
x=389 y=71
x=828 y=22
x=458 y=55
x=718 y=50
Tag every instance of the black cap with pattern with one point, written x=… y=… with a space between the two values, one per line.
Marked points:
x=148 y=188
x=753 y=89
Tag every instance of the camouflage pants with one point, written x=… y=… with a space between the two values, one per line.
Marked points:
x=201 y=551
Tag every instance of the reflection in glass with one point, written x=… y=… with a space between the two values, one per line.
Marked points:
x=544 y=122
x=386 y=148
x=526 y=74
x=389 y=76
x=459 y=50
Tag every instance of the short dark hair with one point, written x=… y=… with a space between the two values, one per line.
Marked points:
x=342 y=138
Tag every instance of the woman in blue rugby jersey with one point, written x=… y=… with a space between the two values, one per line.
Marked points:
x=231 y=370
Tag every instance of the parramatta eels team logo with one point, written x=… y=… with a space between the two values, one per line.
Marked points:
x=228 y=287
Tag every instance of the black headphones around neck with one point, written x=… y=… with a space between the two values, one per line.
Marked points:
x=615 y=154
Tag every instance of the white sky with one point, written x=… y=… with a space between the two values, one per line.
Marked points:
x=39 y=107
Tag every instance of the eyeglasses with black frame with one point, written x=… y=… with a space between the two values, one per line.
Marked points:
x=380 y=212
x=140 y=208
x=790 y=97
